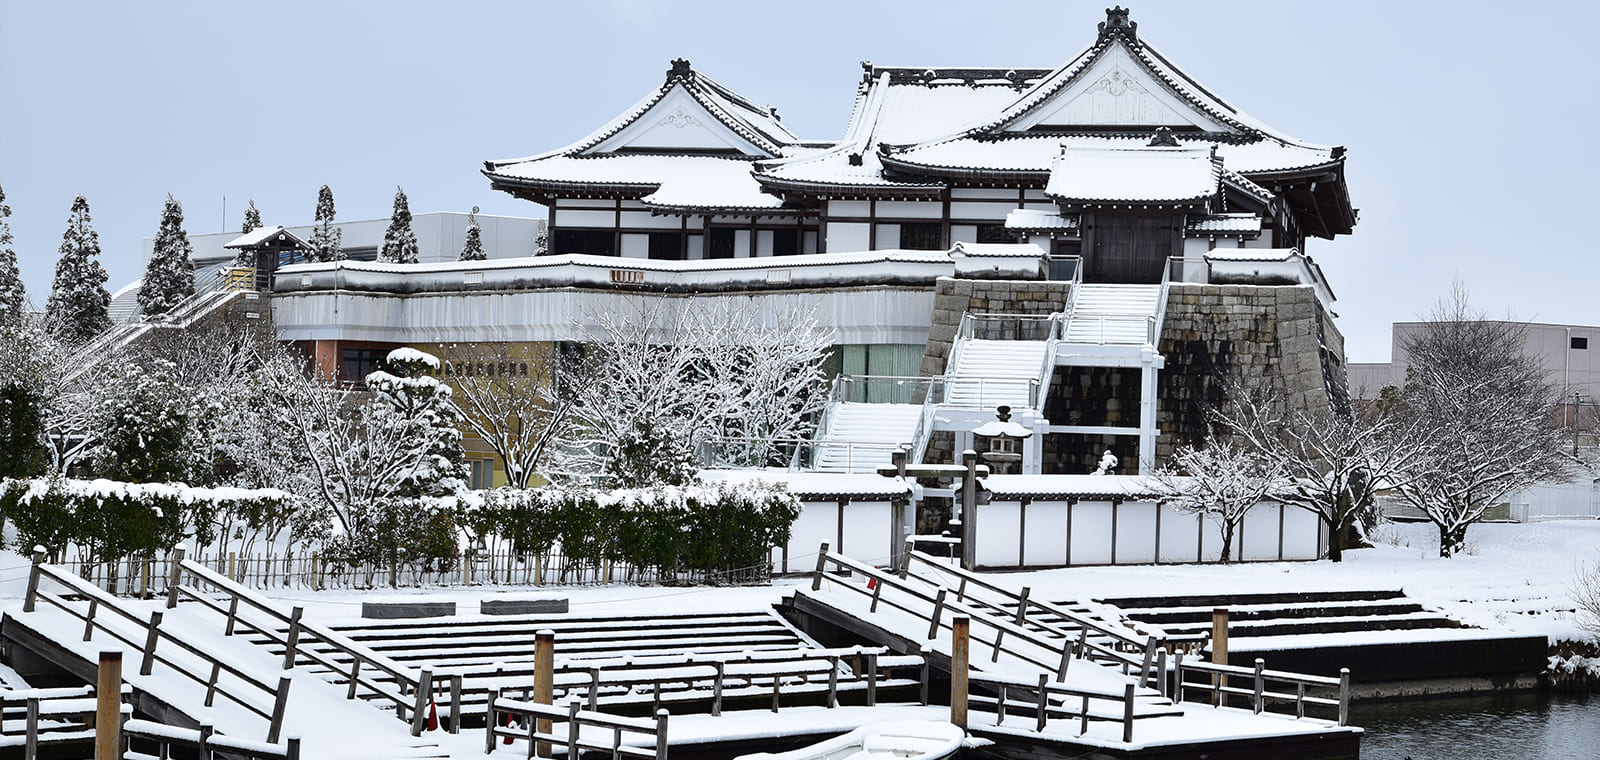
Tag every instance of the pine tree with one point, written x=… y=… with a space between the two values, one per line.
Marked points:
x=252 y=218
x=399 y=242
x=541 y=242
x=327 y=242
x=169 y=275
x=473 y=250
x=13 y=297
x=77 y=309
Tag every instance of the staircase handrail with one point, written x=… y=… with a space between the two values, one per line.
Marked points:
x=1161 y=306
x=300 y=633
x=1258 y=691
x=153 y=635
x=938 y=620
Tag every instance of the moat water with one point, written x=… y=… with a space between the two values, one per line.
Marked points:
x=1523 y=726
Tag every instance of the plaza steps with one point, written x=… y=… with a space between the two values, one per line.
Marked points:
x=860 y=437
x=1112 y=314
x=1381 y=635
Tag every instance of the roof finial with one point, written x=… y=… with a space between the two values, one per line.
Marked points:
x=680 y=69
x=1163 y=138
x=1117 y=22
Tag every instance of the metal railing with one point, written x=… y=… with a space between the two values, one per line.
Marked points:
x=986 y=326
x=880 y=389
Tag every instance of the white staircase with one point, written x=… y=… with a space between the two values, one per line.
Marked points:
x=860 y=437
x=1111 y=314
x=989 y=373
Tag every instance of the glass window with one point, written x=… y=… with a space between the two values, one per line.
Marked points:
x=666 y=245
x=921 y=236
x=995 y=233
x=785 y=242
x=356 y=363
x=594 y=242
x=1581 y=344
x=719 y=243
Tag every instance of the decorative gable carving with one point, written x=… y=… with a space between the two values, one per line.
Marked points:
x=1117 y=91
x=677 y=123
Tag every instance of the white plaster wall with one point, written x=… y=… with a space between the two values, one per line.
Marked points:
x=849 y=236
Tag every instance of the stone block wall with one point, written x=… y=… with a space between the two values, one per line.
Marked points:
x=1274 y=335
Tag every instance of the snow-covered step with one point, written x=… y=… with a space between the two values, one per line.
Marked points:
x=862 y=437
x=1112 y=314
x=989 y=373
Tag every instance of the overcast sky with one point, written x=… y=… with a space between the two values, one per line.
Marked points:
x=1469 y=125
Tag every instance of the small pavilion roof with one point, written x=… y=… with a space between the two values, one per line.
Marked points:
x=1136 y=175
x=260 y=235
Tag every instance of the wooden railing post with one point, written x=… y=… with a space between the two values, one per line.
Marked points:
x=292 y=749
x=456 y=680
x=206 y=732
x=1043 y=707
x=291 y=640
x=572 y=731
x=1149 y=656
x=280 y=702
x=1261 y=665
x=175 y=577
x=661 y=735
x=33 y=579
x=355 y=675
x=872 y=679
x=1022 y=605
x=822 y=562
x=1344 y=696
x=1219 y=648
x=419 y=705
x=1127 y=714
x=108 y=707
x=1161 y=671
x=152 y=635
x=716 y=689
x=959 y=662
x=544 y=666
x=1177 y=678
x=490 y=721
x=30 y=740
x=938 y=612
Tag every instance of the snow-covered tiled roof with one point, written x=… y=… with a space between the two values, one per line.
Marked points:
x=1025 y=219
x=1005 y=487
x=1139 y=175
x=1034 y=153
x=1224 y=224
x=260 y=235
x=670 y=182
x=818 y=484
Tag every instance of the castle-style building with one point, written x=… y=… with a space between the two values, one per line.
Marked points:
x=1095 y=246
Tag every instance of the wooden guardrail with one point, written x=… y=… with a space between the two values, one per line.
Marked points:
x=71 y=709
x=411 y=688
x=100 y=603
x=1045 y=700
x=538 y=726
x=775 y=675
x=1262 y=684
x=1128 y=650
x=939 y=606
x=203 y=743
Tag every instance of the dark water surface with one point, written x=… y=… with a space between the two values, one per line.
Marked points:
x=1522 y=726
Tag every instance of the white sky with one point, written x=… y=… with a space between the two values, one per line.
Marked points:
x=1464 y=120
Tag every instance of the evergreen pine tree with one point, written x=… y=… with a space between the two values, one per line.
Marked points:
x=169 y=275
x=541 y=242
x=327 y=242
x=399 y=242
x=77 y=309
x=252 y=218
x=473 y=250
x=13 y=297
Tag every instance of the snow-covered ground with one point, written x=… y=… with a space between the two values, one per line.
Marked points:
x=1514 y=577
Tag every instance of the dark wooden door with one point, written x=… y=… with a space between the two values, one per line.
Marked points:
x=1130 y=248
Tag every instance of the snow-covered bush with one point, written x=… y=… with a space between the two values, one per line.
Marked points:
x=145 y=428
x=108 y=520
x=696 y=529
x=419 y=533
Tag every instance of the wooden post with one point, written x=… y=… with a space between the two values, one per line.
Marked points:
x=206 y=732
x=419 y=707
x=1161 y=671
x=1043 y=707
x=30 y=731
x=1022 y=605
x=833 y=681
x=316 y=572
x=456 y=680
x=1219 y=649
x=544 y=665
x=959 y=642
x=1344 y=696
x=152 y=634
x=872 y=679
x=661 y=735
x=292 y=751
x=292 y=639
x=969 y=513
x=88 y=619
x=822 y=560
x=108 y=707
x=233 y=566
x=144 y=577
x=1127 y=714
x=33 y=579
x=211 y=683
x=1261 y=665
x=280 y=702
x=572 y=731
x=174 y=577
x=355 y=675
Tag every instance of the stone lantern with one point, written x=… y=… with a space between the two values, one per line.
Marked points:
x=1003 y=435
